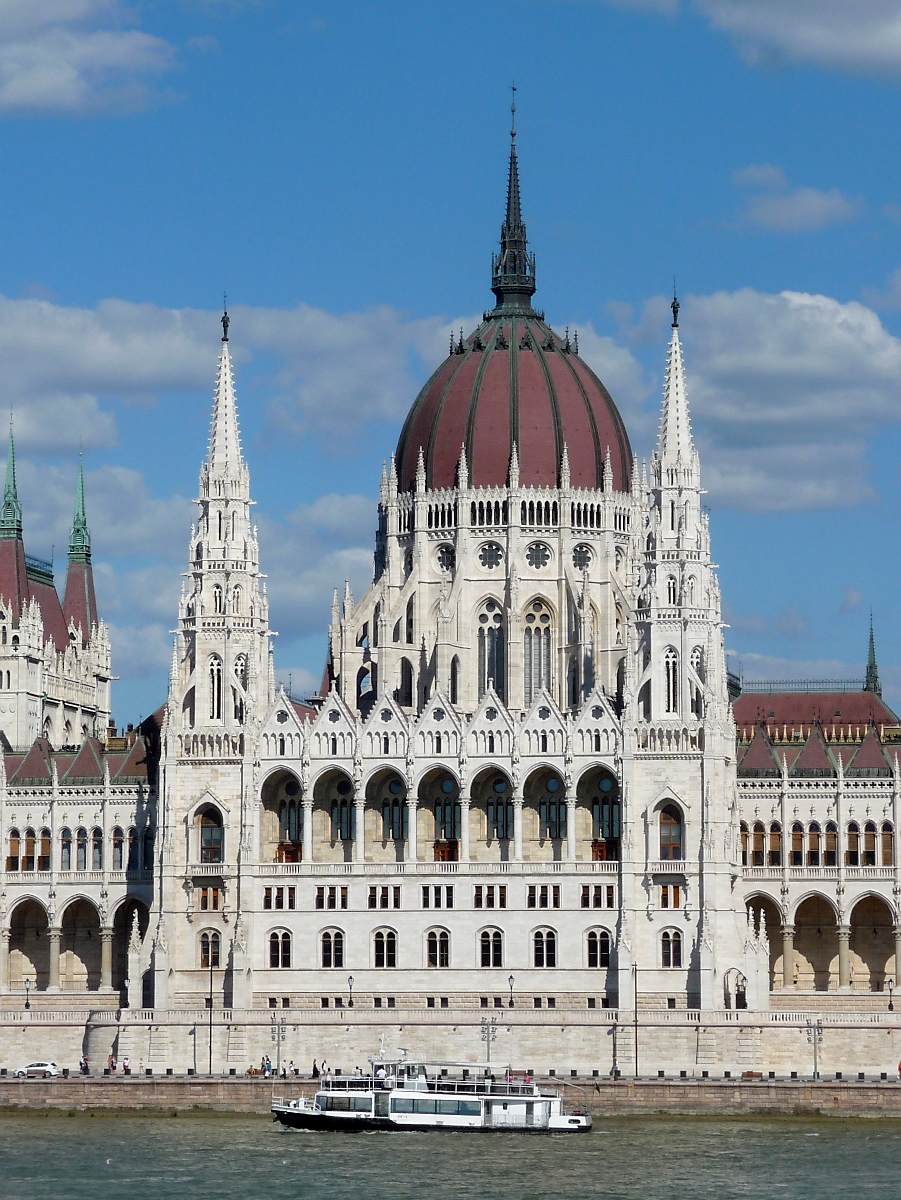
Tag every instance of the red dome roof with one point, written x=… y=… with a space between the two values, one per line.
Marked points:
x=514 y=380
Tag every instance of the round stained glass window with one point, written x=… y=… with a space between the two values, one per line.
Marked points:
x=491 y=714
x=343 y=788
x=448 y=786
x=500 y=785
x=582 y=557
x=553 y=785
x=597 y=712
x=395 y=786
x=292 y=787
x=538 y=555
x=446 y=558
x=491 y=555
x=606 y=785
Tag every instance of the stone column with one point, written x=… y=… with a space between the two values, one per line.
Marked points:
x=897 y=956
x=308 y=829
x=55 y=934
x=788 y=957
x=412 y=817
x=570 y=829
x=4 y=959
x=106 y=959
x=844 y=956
x=517 y=828
x=359 y=830
x=465 y=803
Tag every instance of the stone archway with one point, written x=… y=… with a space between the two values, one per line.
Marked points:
x=816 y=946
x=767 y=907
x=281 y=818
x=544 y=816
x=385 y=816
x=872 y=945
x=439 y=817
x=80 y=957
x=334 y=816
x=491 y=817
x=29 y=947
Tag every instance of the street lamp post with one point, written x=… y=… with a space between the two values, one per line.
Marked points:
x=488 y=1034
x=278 y=1036
x=635 y=990
x=28 y=993
x=211 y=1005
x=814 y=1038
x=511 y=981
x=127 y=986
x=350 y=988
x=891 y=998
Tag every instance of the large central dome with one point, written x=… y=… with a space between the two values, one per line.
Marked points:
x=514 y=381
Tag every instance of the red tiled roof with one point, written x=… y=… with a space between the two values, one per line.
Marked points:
x=79 y=602
x=801 y=710
x=814 y=755
x=87 y=763
x=870 y=756
x=305 y=711
x=760 y=755
x=36 y=763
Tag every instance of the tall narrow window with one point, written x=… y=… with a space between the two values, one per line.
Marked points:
x=211 y=836
x=500 y=811
x=671 y=590
x=544 y=948
x=491 y=945
x=552 y=811
x=97 y=850
x=405 y=691
x=438 y=948
x=671 y=680
x=81 y=850
x=599 y=949
x=605 y=821
x=830 y=852
x=217 y=599
x=394 y=813
x=333 y=949
x=455 y=680
x=797 y=849
x=813 y=845
x=13 y=858
x=28 y=851
x=65 y=850
x=280 y=949
x=888 y=845
x=343 y=820
x=409 y=628
x=216 y=688
x=536 y=651
x=44 y=851
x=775 y=859
x=671 y=949
x=852 y=846
x=670 y=833
x=869 y=844
x=209 y=949
x=757 y=852
x=386 y=949
x=118 y=850
x=491 y=650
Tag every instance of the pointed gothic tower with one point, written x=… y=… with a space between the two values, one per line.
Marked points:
x=871 y=679
x=79 y=602
x=223 y=616
x=13 y=577
x=679 y=723
x=220 y=688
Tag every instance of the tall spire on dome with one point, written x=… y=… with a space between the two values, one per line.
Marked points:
x=871 y=680
x=675 y=442
x=11 y=512
x=225 y=441
x=513 y=270
x=80 y=537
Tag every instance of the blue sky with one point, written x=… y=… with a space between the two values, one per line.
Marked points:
x=340 y=169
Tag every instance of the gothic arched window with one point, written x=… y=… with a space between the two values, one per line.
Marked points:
x=599 y=949
x=671 y=949
x=492 y=659
x=671 y=590
x=536 y=650
x=211 y=836
x=438 y=948
x=385 y=947
x=333 y=949
x=217 y=599
x=671 y=680
x=216 y=688
x=209 y=949
x=671 y=834
x=544 y=948
x=280 y=949
x=491 y=944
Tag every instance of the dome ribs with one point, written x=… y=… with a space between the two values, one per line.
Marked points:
x=610 y=427
x=586 y=455
x=489 y=435
x=538 y=436
x=422 y=420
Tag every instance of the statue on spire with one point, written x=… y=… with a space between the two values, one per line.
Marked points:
x=225 y=318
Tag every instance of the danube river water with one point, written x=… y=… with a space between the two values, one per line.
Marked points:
x=193 y=1157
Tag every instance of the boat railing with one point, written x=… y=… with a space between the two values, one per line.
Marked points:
x=417 y=1083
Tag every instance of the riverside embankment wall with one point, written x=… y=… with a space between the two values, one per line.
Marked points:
x=645 y=1097
x=540 y=1041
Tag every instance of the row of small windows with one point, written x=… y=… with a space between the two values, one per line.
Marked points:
x=817 y=844
x=80 y=851
x=491 y=949
x=437 y=947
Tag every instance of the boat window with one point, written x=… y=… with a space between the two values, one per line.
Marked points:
x=469 y=1108
x=402 y=1104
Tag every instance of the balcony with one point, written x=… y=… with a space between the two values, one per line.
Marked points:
x=276 y=870
x=672 y=866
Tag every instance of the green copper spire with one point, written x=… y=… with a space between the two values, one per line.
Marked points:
x=80 y=538
x=11 y=513
x=513 y=270
x=871 y=681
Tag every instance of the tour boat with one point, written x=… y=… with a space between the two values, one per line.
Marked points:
x=419 y=1095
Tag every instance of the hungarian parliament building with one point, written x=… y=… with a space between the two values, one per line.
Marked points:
x=528 y=781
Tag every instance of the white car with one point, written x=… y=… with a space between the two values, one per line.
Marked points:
x=38 y=1070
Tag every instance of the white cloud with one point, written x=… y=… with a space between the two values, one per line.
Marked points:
x=780 y=209
x=852 y=600
x=888 y=297
x=803 y=210
x=75 y=55
x=854 y=35
x=767 y=666
x=772 y=381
